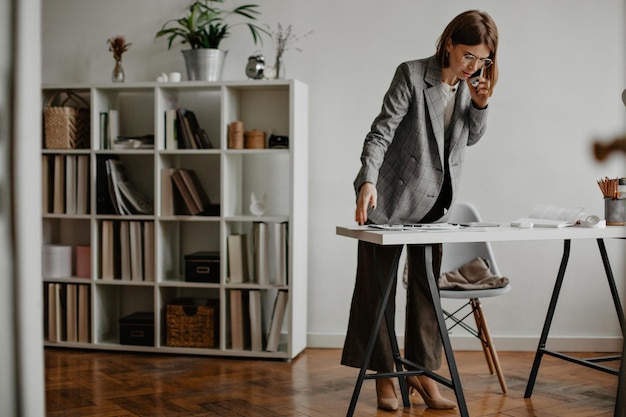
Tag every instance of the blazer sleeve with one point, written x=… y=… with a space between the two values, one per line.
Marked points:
x=477 y=123
x=395 y=106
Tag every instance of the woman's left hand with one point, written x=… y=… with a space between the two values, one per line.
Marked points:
x=480 y=93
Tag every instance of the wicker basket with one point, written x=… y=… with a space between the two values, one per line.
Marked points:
x=66 y=126
x=191 y=323
x=254 y=139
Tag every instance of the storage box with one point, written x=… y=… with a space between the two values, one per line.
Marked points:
x=192 y=322
x=202 y=267
x=137 y=329
x=57 y=261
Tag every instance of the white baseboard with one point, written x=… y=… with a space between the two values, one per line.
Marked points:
x=511 y=344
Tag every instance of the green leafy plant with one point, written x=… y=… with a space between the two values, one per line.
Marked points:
x=205 y=24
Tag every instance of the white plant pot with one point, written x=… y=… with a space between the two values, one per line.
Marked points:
x=204 y=64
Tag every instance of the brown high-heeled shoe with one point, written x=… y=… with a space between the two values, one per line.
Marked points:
x=386 y=403
x=436 y=403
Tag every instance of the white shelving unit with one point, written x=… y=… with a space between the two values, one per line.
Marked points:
x=228 y=176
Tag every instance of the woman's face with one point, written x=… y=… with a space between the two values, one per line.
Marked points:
x=467 y=59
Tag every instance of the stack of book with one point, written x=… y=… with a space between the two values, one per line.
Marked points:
x=182 y=131
x=249 y=327
x=65 y=184
x=182 y=193
x=67 y=310
x=127 y=250
x=116 y=194
x=259 y=257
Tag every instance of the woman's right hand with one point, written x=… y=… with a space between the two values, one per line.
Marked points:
x=367 y=199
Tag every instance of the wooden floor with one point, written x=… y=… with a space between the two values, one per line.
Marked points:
x=99 y=384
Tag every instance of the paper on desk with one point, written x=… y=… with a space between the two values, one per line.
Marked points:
x=545 y=215
x=417 y=226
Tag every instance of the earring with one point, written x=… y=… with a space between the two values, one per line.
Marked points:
x=447 y=54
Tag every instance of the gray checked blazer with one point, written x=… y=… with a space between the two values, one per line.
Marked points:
x=403 y=154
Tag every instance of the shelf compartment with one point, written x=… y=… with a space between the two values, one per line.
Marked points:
x=178 y=238
x=134 y=108
x=205 y=167
x=266 y=173
x=206 y=319
x=204 y=102
x=113 y=302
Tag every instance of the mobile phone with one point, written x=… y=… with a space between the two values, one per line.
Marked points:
x=475 y=78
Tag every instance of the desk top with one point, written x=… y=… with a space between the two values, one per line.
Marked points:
x=477 y=234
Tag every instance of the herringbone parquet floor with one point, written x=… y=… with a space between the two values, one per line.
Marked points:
x=107 y=384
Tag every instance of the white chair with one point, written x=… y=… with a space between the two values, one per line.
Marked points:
x=456 y=255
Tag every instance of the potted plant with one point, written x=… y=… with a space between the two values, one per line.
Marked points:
x=203 y=27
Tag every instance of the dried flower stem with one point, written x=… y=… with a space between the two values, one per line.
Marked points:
x=118 y=46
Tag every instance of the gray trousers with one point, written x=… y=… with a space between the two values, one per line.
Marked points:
x=423 y=344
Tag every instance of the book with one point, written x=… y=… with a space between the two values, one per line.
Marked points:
x=82 y=184
x=148 y=251
x=167 y=192
x=70 y=184
x=136 y=251
x=260 y=253
x=104 y=202
x=190 y=204
x=83 y=261
x=59 y=185
x=199 y=135
x=113 y=130
x=237 y=247
x=236 y=320
x=47 y=173
x=71 y=313
x=53 y=333
x=545 y=215
x=129 y=199
x=107 y=266
x=125 y=268
x=278 y=253
x=114 y=191
x=83 y=314
x=183 y=131
x=104 y=130
x=192 y=183
x=276 y=324
x=171 y=137
x=256 y=320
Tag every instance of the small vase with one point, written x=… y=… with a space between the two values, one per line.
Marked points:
x=118 y=72
x=279 y=67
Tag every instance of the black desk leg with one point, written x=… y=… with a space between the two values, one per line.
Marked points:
x=443 y=331
x=382 y=312
x=620 y=402
x=612 y=286
x=548 y=322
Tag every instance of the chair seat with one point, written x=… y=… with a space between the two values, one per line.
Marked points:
x=465 y=294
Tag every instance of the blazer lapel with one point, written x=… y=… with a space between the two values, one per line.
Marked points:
x=434 y=99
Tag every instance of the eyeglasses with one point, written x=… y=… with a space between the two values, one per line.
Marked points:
x=469 y=59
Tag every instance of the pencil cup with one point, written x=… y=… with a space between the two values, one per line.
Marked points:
x=614 y=211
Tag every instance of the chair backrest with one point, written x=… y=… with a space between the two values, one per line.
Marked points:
x=457 y=254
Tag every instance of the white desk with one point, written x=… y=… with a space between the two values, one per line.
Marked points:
x=488 y=234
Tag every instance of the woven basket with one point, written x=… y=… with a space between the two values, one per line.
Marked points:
x=191 y=325
x=254 y=139
x=67 y=126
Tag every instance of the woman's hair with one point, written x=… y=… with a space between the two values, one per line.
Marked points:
x=472 y=27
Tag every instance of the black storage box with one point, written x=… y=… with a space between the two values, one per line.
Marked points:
x=137 y=329
x=202 y=267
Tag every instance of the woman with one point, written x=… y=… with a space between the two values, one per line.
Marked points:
x=411 y=166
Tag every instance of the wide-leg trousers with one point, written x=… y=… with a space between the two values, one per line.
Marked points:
x=423 y=344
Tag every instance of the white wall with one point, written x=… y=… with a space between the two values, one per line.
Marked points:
x=562 y=73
